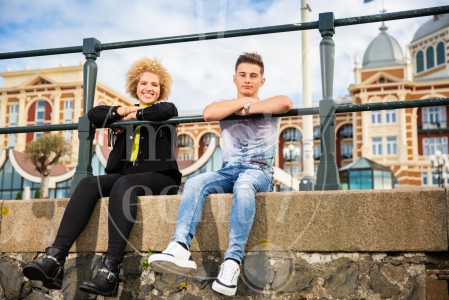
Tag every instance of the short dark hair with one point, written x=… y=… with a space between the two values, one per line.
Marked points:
x=251 y=58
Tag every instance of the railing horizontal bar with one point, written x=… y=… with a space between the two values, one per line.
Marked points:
x=341 y=108
x=41 y=128
x=392 y=16
x=211 y=35
x=344 y=108
x=42 y=52
x=196 y=119
x=234 y=33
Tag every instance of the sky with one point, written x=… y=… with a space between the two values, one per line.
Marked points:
x=202 y=71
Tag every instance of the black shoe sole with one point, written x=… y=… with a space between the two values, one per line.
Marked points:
x=33 y=271
x=91 y=290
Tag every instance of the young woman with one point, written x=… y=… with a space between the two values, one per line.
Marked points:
x=145 y=165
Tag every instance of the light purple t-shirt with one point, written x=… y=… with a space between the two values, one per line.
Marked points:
x=250 y=141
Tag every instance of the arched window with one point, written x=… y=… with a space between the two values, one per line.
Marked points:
x=430 y=59
x=207 y=137
x=292 y=134
x=440 y=53
x=316 y=133
x=185 y=141
x=419 y=62
x=346 y=131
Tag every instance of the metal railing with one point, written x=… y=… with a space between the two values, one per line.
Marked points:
x=327 y=175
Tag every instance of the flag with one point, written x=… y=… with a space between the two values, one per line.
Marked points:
x=366 y=1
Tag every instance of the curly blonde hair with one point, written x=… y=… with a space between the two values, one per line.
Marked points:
x=154 y=66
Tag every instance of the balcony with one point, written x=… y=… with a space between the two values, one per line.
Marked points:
x=432 y=126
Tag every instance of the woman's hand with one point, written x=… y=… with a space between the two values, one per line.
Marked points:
x=124 y=111
x=118 y=130
x=130 y=116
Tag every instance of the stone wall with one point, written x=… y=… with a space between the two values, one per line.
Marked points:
x=266 y=274
x=304 y=245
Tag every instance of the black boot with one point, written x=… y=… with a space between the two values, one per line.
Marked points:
x=50 y=271
x=107 y=280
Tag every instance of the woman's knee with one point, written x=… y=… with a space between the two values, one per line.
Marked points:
x=88 y=183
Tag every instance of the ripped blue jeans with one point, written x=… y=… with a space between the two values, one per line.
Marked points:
x=244 y=182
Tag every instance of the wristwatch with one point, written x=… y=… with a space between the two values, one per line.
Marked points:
x=246 y=108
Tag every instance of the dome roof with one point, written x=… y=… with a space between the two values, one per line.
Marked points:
x=436 y=23
x=383 y=51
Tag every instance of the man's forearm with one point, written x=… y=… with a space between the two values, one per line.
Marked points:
x=274 y=105
x=219 y=110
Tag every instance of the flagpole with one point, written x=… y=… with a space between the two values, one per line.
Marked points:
x=308 y=181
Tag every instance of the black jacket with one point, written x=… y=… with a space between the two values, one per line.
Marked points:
x=156 y=145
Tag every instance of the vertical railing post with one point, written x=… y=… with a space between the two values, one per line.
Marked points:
x=327 y=175
x=86 y=133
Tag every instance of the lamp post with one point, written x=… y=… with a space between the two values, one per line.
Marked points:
x=441 y=164
x=291 y=153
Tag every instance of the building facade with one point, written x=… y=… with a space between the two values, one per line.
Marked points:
x=44 y=97
x=401 y=139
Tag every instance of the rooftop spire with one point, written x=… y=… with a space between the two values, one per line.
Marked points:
x=383 y=28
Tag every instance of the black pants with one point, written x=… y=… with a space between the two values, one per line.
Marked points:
x=122 y=190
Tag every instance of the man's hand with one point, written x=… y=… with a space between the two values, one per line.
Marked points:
x=241 y=112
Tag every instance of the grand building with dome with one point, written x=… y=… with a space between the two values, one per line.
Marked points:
x=400 y=139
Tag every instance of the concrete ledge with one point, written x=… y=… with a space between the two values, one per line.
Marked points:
x=337 y=221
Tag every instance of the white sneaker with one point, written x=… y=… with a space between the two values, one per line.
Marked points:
x=226 y=282
x=174 y=259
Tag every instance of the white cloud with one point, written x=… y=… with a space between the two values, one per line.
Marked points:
x=202 y=71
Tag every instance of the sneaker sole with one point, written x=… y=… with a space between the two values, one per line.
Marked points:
x=223 y=289
x=163 y=264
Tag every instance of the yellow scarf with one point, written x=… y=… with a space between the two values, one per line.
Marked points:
x=135 y=150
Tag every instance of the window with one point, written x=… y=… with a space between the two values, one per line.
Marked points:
x=13 y=115
x=185 y=146
x=316 y=133
x=185 y=156
x=292 y=134
x=434 y=117
x=392 y=145
x=346 y=151
x=361 y=180
x=419 y=62
x=68 y=116
x=377 y=146
x=40 y=116
x=12 y=183
x=97 y=167
x=40 y=113
x=185 y=141
x=436 y=179
x=440 y=53
x=207 y=137
x=376 y=117
x=316 y=152
x=424 y=179
x=346 y=131
x=430 y=60
x=431 y=145
x=390 y=116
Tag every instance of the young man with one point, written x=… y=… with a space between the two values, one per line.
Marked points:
x=248 y=148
